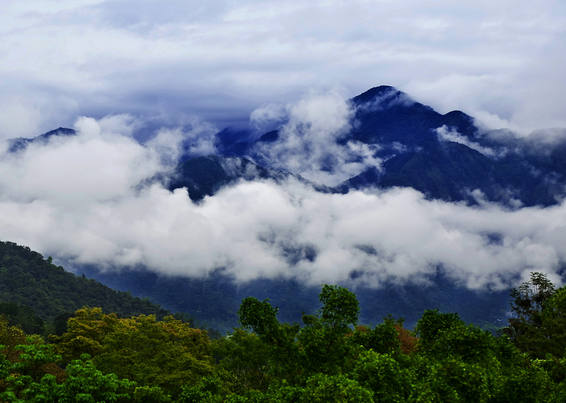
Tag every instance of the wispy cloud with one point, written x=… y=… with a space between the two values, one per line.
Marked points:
x=446 y=134
x=308 y=141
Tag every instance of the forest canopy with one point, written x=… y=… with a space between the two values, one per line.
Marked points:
x=329 y=357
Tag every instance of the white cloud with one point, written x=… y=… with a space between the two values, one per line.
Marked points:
x=18 y=118
x=446 y=134
x=268 y=117
x=95 y=165
x=78 y=198
x=307 y=143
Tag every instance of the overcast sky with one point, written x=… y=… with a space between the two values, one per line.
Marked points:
x=502 y=61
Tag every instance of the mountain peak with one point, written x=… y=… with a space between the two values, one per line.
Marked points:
x=60 y=131
x=20 y=143
x=377 y=92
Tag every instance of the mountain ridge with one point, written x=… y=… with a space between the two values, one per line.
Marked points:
x=444 y=156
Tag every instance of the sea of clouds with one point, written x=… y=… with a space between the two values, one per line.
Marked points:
x=99 y=198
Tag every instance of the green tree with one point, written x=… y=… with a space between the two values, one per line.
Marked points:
x=538 y=326
x=279 y=338
x=23 y=317
x=87 y=383
x=321 y=388
x=383 y=374
x=260 y=317
x=528 y=382
x=529 y=298
x=554 y=323
x=207 y=390
x=167 y=353
x=323 y=349
x=340 y=308
x=383 y=338
x=432 y=322
x=243 y=360
x=325 y=341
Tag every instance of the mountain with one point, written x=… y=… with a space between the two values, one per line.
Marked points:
x=451 y=171
x=31 y=284
x=204 y=175
x=385 y=115
x=21 y=143
x=444 y=156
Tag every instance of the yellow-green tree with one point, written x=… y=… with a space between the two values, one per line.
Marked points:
x=167 y=353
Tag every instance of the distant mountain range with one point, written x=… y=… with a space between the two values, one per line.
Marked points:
x=444 y=156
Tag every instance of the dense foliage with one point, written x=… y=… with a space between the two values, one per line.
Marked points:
x=34 y=291
x=329 y=358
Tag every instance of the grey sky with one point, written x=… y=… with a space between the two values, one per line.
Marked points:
x=502 y=61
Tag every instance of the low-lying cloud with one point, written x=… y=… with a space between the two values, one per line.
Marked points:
x=81 y=200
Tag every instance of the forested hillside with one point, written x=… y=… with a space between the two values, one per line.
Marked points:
x=32 y=289
x=330 y=357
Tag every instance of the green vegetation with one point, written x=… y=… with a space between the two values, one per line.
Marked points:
x=539 y=324
x=329 y=358
x=34 y=293
x=113 y=347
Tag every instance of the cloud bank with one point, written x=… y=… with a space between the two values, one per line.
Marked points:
x=91 y=199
